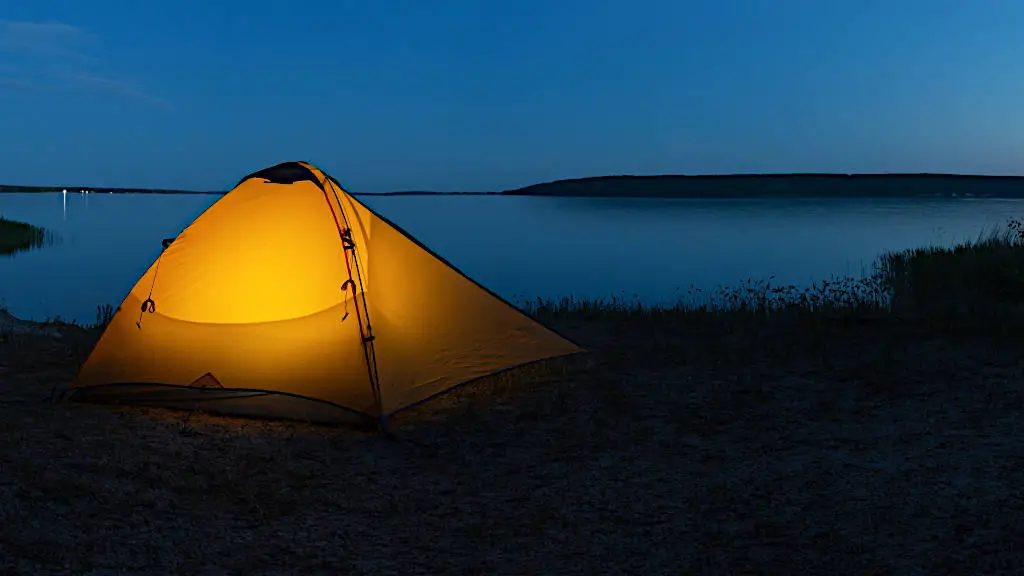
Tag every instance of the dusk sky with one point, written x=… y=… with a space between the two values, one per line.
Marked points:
x=489 y=95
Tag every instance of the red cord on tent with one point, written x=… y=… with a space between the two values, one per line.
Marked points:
x=346 y=235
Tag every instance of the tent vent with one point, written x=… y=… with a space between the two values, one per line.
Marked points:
x=206 y=381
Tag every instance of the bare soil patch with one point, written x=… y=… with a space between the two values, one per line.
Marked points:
x=672 y=447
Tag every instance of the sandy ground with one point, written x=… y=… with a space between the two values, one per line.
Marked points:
x=671 y=448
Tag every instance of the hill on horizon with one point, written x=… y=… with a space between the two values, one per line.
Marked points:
x=780 y=185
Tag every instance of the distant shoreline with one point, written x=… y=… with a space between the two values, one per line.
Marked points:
x=799 y=185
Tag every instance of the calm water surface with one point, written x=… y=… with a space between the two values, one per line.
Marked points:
x=520 y=247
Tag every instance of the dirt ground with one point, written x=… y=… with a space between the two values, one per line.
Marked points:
x=671 y=448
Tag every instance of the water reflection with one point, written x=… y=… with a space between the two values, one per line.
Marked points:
x=18 y=237
x=101 y=248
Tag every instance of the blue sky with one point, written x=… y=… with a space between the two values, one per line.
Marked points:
x=496 y=94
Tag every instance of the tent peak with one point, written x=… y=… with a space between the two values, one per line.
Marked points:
x=285 y=173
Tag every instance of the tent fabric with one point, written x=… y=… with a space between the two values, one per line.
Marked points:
x=255 y=309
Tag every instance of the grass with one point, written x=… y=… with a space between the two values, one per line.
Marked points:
x=18 y=236
x=755 y=298
x=978 y=282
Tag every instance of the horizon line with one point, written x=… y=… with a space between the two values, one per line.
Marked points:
x=127 y=189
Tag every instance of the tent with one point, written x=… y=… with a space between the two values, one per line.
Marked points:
x=288 y=298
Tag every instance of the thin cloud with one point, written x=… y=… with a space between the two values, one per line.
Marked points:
x=18 y=78
x=46 y=39
x=116 y=87
x=58 y=55
x=17 y=82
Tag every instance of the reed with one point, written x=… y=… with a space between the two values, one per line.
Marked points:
x=975 y=281
x=18 y=236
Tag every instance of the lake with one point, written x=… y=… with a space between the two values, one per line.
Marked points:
x=521 y=247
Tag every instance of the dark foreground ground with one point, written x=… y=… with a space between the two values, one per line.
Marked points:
x=673 y=447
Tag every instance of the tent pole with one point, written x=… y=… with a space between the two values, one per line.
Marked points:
x=366 y=335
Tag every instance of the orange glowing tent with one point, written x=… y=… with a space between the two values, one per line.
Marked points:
x=289 y=298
